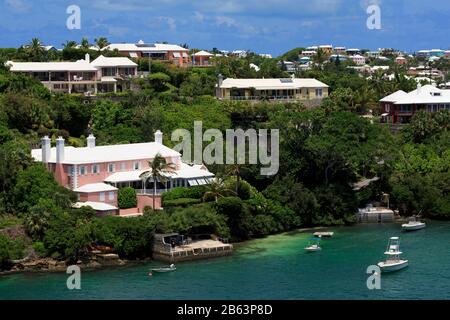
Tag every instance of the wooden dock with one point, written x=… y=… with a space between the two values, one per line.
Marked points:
x=195 y=250
x=323 y=234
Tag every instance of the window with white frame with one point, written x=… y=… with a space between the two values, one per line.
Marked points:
x=82 y=170
x=319 y=92
x=102 y=196
x=137 y=165
x=111 y=167
x=123 y=166
x=111 y=195
x=95 y=169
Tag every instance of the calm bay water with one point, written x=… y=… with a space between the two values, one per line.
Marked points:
x=271 y=268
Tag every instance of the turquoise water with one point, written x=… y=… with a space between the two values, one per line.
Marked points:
x=271 y=268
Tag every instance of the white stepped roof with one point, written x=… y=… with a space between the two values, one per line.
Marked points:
x=97 y=206
x=394 y=96
x=113 y=153
x=80 y=65
x=426 y=95
x=102 y=61
x=423 y=95
x=267 y=84
x=95 y=187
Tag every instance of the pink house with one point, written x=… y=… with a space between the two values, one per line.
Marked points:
x=96 y=173
x=202 y=59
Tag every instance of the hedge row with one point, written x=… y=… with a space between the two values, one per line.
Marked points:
x=195 y=192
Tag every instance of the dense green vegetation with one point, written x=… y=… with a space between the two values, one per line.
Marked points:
x=323 y=152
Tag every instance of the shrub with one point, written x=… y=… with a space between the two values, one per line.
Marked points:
x=39 y=248
x=182 y=202
x=130 y=238
x=195 y=192
x=10 y=250
x=127 y=198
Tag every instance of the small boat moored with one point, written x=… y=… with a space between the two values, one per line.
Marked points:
x=413 y=225
x=164 y=269
x=314 y=245
x=393 y=261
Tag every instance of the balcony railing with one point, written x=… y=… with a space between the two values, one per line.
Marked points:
x=261 y=98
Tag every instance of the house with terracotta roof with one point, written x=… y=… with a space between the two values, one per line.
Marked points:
x=400 y=106
x=96 y=173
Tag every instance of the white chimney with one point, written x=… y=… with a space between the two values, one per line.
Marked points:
x=159 y=137
x=91 y=141
x=87 y=58
x=45 y=145
x=59 y=150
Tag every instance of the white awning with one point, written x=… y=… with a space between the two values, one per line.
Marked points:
x=133 y=54
x=176 y=55
x=185 y=55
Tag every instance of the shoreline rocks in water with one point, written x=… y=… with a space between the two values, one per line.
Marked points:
x=52 y=265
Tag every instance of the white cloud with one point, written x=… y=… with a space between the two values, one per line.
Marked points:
x=17 y=5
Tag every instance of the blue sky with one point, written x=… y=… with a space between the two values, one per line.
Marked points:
x=264 y=26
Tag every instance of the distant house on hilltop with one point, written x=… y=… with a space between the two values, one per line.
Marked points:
x=155 y=51
x=400 y=106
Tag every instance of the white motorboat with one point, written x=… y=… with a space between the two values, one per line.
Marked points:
x=413 y=225
x=164 y=269
x=393 y=261
x=314 y=245
x=313 y=248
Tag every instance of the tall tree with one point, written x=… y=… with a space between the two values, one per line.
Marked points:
x=101 y=42
x=158 y=168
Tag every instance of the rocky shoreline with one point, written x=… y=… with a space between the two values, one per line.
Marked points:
x=51 y=265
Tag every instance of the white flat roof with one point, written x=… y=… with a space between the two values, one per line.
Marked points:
x=186 y=172
x=267 y=84
x=95 y=187
x=80 y=65
x=154 y=47
x=102 y=61
x=113 y=153
x=97 y=206
x=125 y=176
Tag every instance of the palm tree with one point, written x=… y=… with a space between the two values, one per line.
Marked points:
x=84 y=44
x=36 y=49
x=320 y=58
x=69 y=44
x=217 y=189
x=158 y=168
x=235 y=170
x=101 y=42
